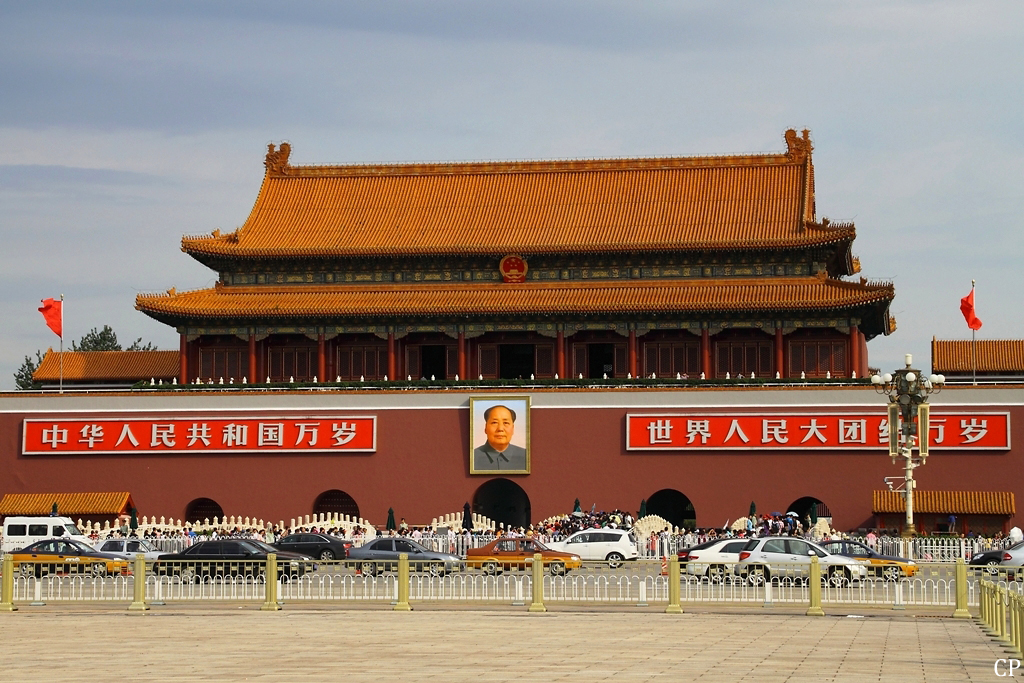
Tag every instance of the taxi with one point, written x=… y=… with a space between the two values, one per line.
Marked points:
x=517 y=553
x=888 y=567
x=65 y=556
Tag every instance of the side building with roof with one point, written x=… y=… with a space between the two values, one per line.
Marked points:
x=624 y=267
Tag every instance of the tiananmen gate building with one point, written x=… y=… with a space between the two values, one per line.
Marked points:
x=682 y=330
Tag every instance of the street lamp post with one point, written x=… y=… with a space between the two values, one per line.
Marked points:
x=908 y=393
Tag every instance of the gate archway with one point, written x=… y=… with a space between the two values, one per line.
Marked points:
x=674 y=506
x=336 y=502
x=503 y=500
x=809 y=506
x=202 y=509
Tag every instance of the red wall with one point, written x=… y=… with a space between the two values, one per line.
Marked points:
x=421 y=469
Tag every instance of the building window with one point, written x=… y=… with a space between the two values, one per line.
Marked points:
x=368 y=362
x=816 y=358
x=667 y=359
x=216 y=364
x=744 y=358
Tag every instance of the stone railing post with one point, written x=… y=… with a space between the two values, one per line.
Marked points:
x=270 y=576
x=674 y=579
x=537 y=587
x=139 y=580
x=961 y=611
x=814 y=589
x=7 y=585
x=403 y=584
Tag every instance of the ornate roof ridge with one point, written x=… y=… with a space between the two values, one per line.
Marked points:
x=278 y=166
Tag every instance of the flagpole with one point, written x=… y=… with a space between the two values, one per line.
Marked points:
x=974 y=354
x=60 y=383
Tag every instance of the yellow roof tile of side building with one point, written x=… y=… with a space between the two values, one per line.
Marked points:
x=484 y=299
x=1005 y=356
x=947 y=502
x=107 y=365
x=530 y=207
x=68 y=504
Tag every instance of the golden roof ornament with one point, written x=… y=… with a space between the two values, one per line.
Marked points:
x=798 y=147
x=277 y=158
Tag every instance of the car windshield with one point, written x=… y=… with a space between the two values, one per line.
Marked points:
x=79 y=546
x=73 y=530
x=260 y=546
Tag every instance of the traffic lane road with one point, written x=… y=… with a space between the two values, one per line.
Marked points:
x=246 y=644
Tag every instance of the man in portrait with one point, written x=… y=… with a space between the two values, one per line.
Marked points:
x=499 y=453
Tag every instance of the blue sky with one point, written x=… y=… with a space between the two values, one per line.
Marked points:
x=125 y=126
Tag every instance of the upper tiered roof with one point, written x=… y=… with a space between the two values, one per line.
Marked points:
x=763 y=201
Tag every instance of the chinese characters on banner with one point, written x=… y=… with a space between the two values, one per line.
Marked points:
x=806 y=432
x=200 y=435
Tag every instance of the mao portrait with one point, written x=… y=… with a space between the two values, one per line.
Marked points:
x=499 y=438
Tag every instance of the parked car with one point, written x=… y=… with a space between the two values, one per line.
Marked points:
x=888 y=567
x=381 y=555
x=65 y=556
x=613 y=546
x=128 y=548
x=20 y=532
x=230 y=557
x=1013 y=560
x=790 y=559
x=517 y=553
x=990 y=560
x=713 y=559
x=320 y=546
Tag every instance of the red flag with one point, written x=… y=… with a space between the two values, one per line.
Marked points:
x=967 y=308
x=54 y=320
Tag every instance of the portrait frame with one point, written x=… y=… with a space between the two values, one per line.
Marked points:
x=483 y=458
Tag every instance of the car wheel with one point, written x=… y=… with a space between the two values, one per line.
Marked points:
x=187 y=575
x=436 y=569
x=758 y=576
x=892 y=572
x=614 y=560
x=327 y=554
x=98 y=569
x=368 y=569
x=716 y=573
x=838 y=576
x=556 y=568
x=491 y=568
x=992 y=567
x=27 y=569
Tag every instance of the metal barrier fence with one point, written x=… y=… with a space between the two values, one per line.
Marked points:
x=939 y=585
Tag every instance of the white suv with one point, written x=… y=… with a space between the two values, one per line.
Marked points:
x=789 y=559
x=611 y=545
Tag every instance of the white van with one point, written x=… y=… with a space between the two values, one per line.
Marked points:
x=22 y=531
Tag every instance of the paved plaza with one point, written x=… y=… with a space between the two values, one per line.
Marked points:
x=229 y=643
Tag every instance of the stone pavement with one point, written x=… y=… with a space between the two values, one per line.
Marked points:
x=228 y=643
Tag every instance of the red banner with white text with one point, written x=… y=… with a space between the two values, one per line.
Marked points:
x=245 y=434
x=806 y=431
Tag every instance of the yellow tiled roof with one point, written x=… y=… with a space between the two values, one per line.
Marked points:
x=991 y=355
x=108 y=365
x=947 y=502
x=533 y=207
x=68 y=504
x=571 y=297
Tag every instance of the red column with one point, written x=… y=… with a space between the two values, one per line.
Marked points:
x=854 y=349
x=183 y=360
x=321 y=358
x=632 y=352
x=392 y=371
x=705 y=352
x=462 y=355
x=253 y=375
x=780 y=357
x=560 y=353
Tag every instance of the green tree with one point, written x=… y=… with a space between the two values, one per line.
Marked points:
x=94 y=340
x=23 y=377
